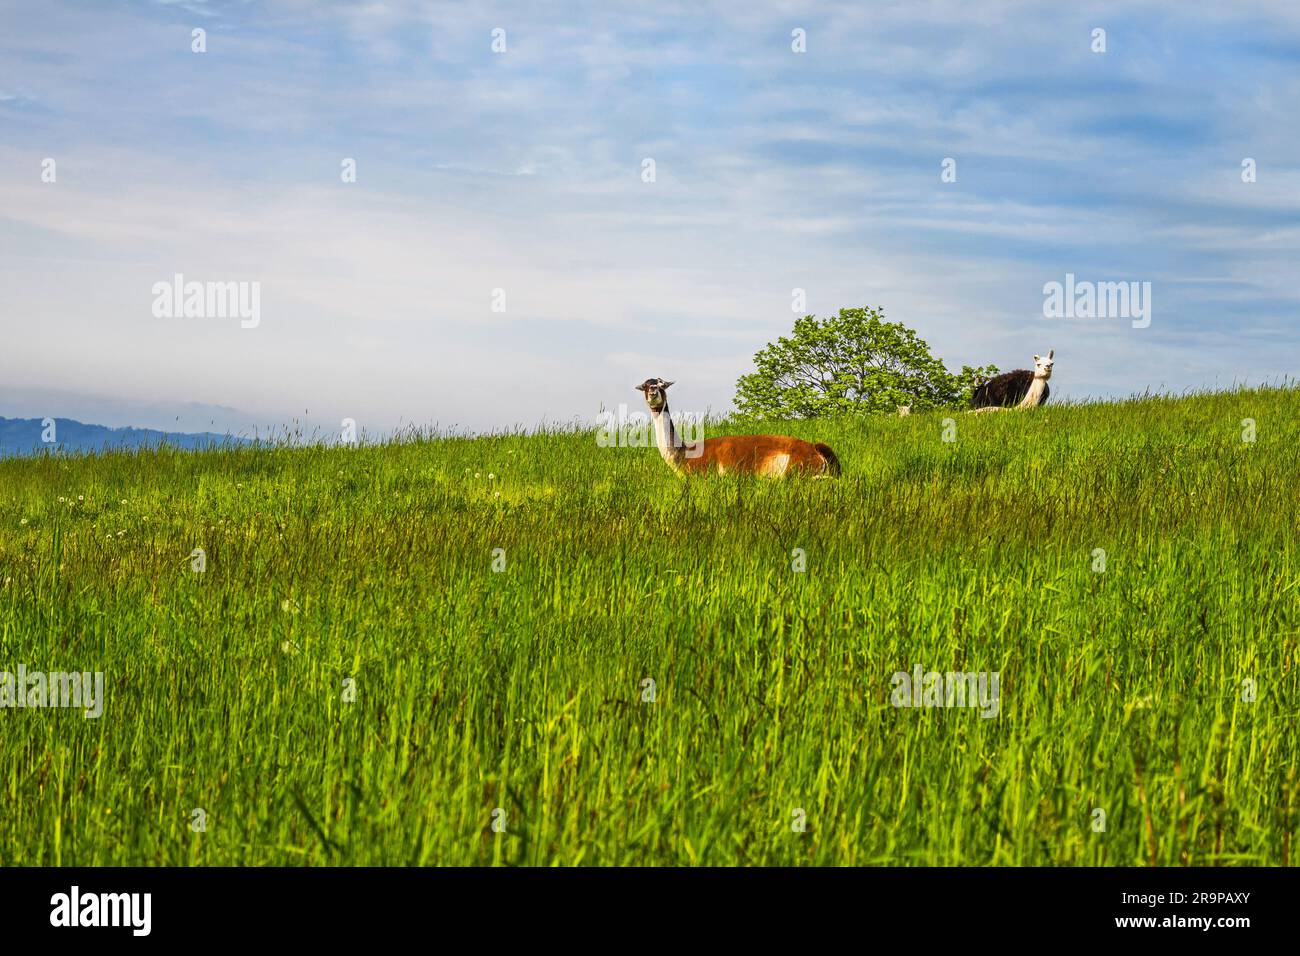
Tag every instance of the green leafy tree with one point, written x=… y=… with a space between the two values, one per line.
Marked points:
x=851 y=362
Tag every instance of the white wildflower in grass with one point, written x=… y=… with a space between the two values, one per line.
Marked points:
x=123 y=501
x=491 y=477
x=81 y=497
x=62 y=499
x=24 y=521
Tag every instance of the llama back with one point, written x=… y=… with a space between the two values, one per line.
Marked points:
x=1004 y=390
x=770 y=455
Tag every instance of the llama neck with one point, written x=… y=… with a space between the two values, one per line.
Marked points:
x=666 y=438
x=1034 y=397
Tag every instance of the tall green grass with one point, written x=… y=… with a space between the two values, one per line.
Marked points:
x=525 y=689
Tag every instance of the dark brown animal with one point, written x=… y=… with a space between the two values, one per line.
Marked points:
x=1019 y=389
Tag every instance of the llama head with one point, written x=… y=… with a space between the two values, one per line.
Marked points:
x=1043 y=365
x=656 y=393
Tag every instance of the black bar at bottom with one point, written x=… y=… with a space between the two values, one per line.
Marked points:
x=622 y=906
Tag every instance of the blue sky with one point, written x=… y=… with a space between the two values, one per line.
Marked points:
x=522 y=171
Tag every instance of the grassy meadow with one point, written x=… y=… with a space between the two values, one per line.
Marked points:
x=350 y=680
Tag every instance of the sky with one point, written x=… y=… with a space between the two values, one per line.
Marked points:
x=501 y=259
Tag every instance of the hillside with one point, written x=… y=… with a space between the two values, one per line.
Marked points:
x=24 y=436
x=349 y=680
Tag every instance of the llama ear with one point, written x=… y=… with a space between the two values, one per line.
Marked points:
x=1035 y=358
x=1051 y=352
x=665 y=384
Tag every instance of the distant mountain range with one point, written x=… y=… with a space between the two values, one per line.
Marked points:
x=24 y=401
x=28 y=436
